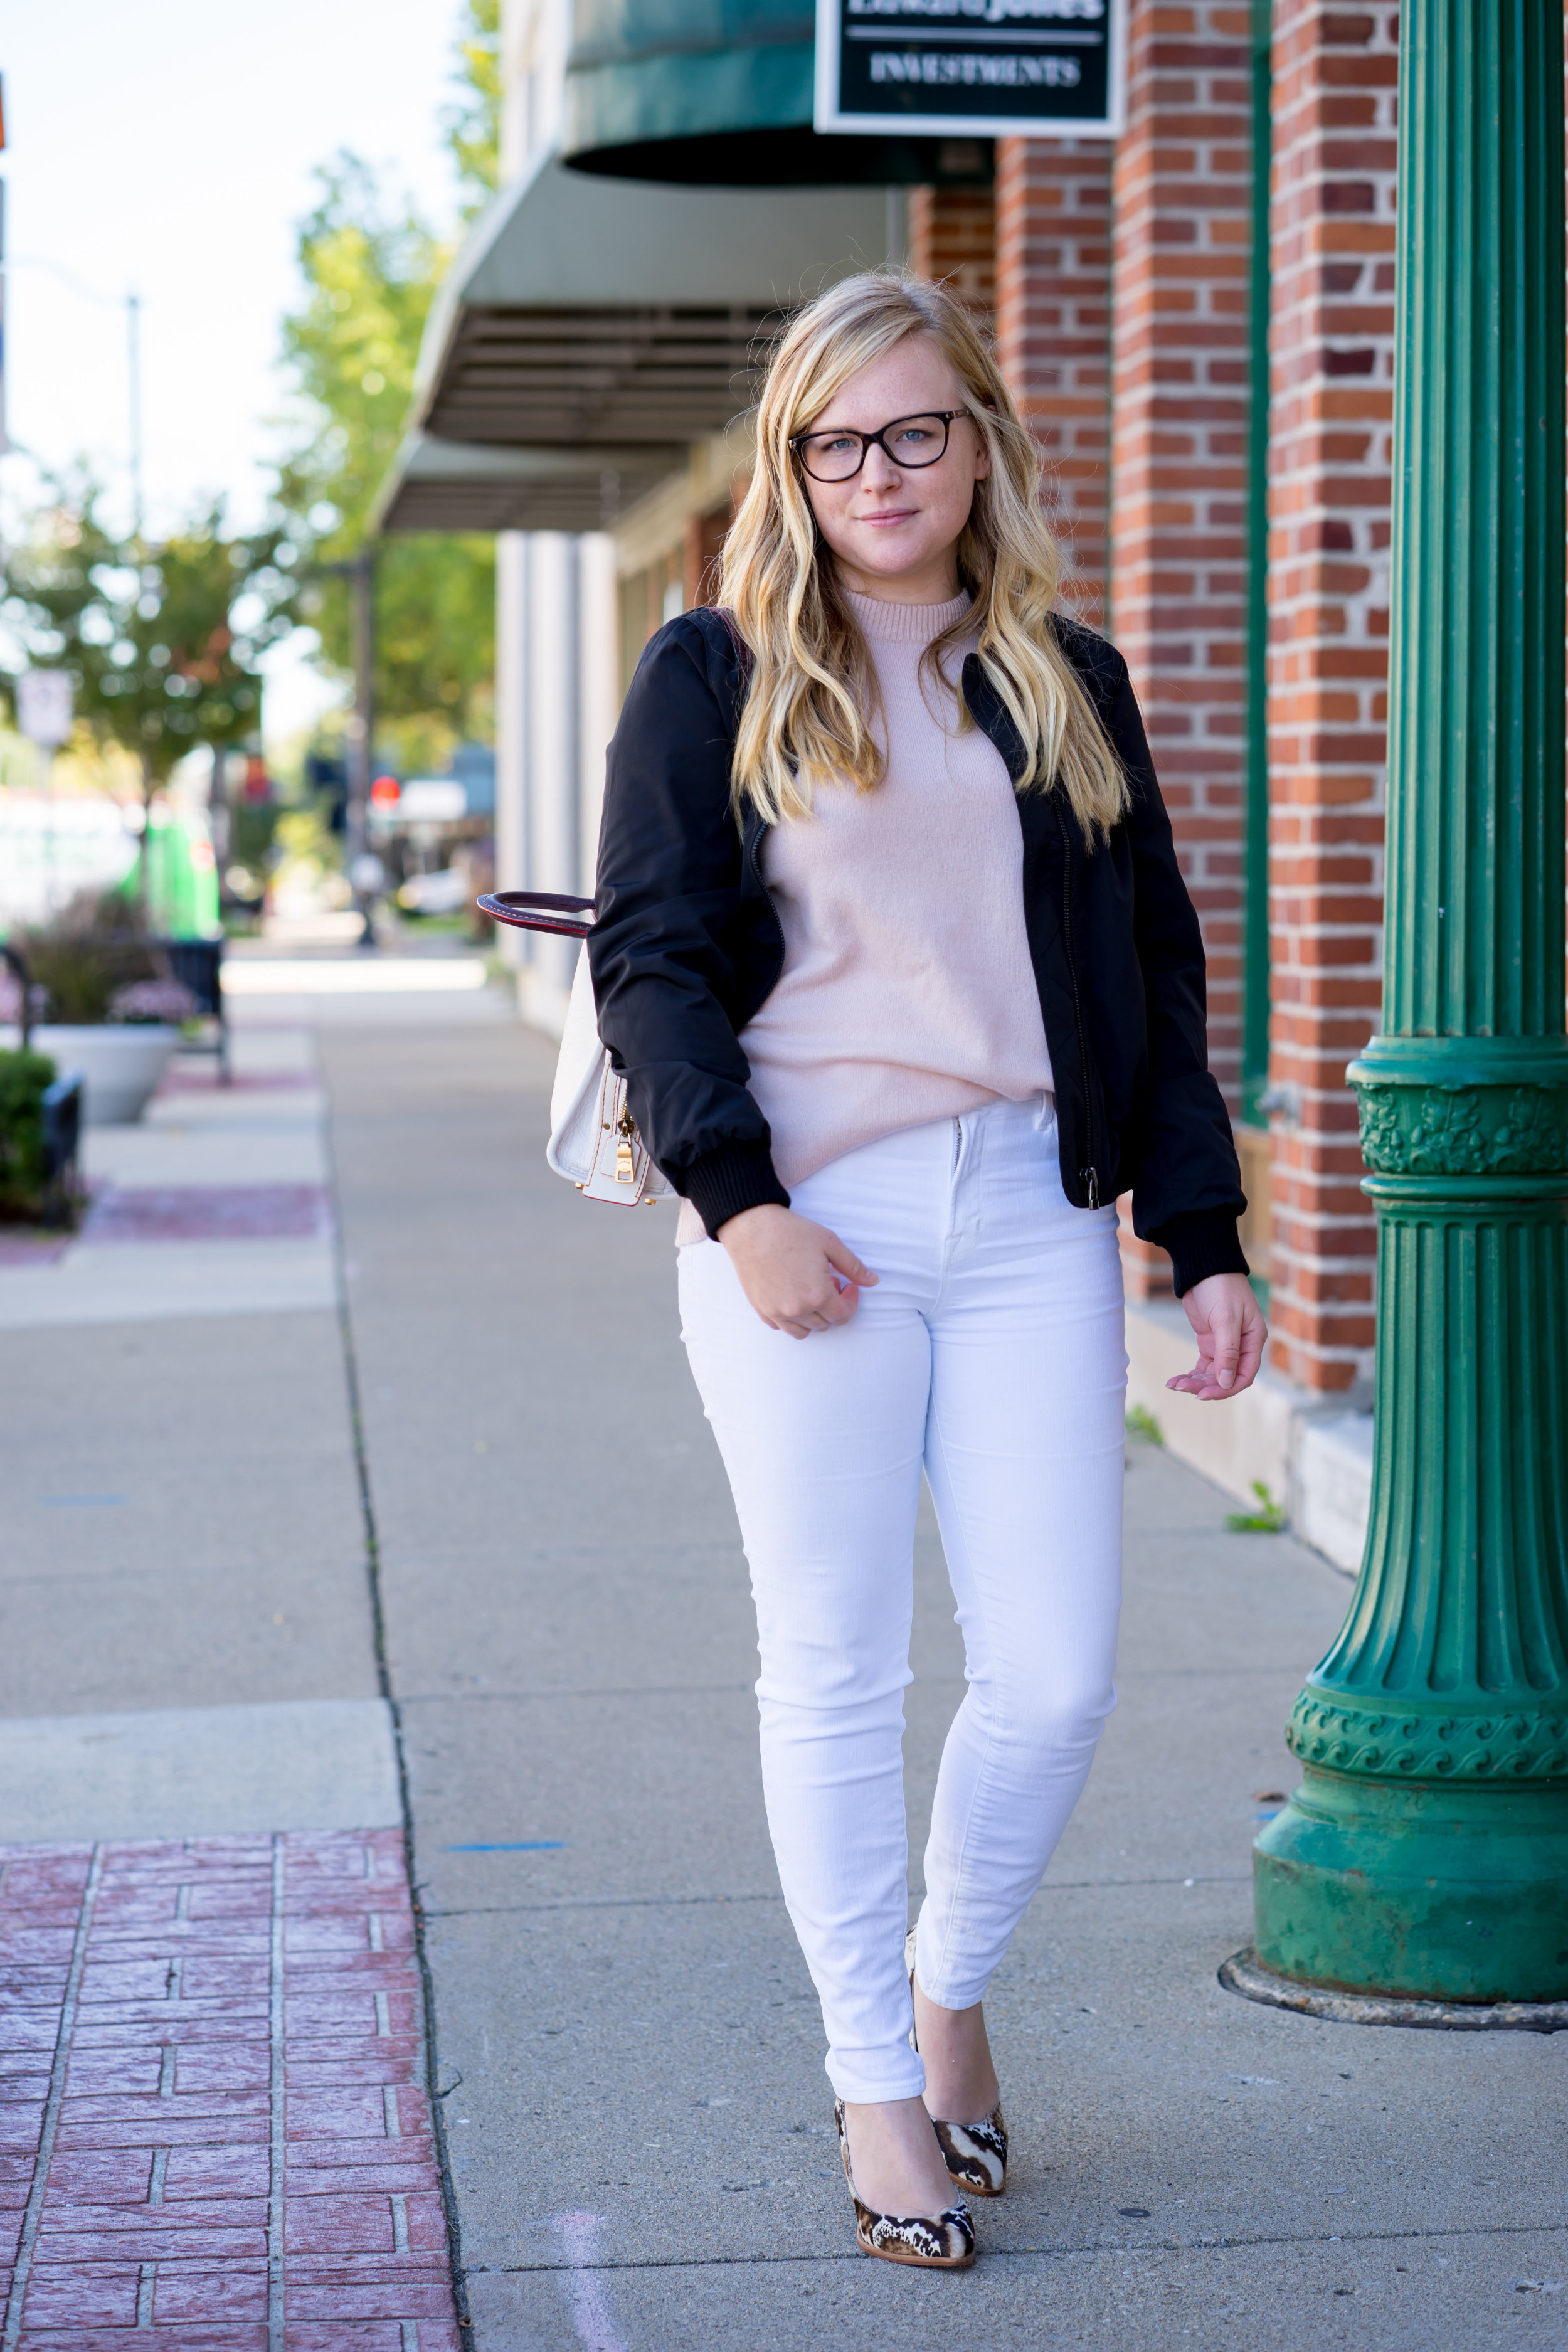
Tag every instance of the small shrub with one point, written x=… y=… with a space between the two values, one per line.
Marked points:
x=94 y=946
x=25 y=1078
x=1141 y=1423
x=1267 y=1520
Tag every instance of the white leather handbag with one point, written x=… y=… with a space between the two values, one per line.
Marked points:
x=593 y=1142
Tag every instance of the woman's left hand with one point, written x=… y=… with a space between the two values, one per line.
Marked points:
x=1230 y=1330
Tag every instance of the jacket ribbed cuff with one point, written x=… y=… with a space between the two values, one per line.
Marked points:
x=735 y=1177
x=1202 y=1242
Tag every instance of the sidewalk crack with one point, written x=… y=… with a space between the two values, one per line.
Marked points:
x=277 y=2105
x=431 y=2066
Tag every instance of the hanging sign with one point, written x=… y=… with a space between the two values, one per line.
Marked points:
x=44 y=706
x=973 y=69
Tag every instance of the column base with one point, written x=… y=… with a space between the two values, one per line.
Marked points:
x=1446 y=1893
x=1244 y=1973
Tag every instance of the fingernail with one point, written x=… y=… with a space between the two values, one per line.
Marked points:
x=1225 y=1378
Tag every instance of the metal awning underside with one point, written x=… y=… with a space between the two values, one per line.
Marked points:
x=609 y=323
x=582 y=376
x=465 y=486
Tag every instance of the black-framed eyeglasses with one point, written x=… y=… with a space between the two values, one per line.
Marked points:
x=908 y=443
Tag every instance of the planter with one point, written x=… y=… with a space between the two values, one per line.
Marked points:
x=119 y=1063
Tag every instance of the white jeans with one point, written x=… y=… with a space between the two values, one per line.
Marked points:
x=991 y=1353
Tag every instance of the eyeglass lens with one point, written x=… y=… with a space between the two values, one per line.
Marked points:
x=910 y=441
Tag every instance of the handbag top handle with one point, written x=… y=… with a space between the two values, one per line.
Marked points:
x=539 y=910
x=549 y=911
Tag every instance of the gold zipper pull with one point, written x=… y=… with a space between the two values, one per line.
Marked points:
x=626 y=1133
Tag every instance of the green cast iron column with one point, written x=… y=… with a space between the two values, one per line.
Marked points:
x=1426 y=1851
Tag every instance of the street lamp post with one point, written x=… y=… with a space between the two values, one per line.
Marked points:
x=359 y=571
x=1425 y=1852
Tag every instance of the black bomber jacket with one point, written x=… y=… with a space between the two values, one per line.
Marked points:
x=686 y=946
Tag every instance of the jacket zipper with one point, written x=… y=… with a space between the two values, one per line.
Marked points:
x=750 y=851
x=1088 y=1177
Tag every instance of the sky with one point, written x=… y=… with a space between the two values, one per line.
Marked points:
x=167 y=147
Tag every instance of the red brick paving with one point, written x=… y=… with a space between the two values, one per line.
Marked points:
x=208 y=1212
x=214 y=2128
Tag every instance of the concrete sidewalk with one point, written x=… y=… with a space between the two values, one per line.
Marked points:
x=639 y=2128
x=540 y=1636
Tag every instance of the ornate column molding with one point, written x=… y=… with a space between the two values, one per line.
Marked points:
x=1430 y=1741
x=1463 y=1105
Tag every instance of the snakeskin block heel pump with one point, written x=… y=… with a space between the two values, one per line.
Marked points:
x=942 y=2241
x=976 y=2154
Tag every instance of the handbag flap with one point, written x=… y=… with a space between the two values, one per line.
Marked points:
x=585 y=1090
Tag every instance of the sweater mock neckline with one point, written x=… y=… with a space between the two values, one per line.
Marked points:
x=905 y=624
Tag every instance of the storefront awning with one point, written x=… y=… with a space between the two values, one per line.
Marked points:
x=710 y=91
x=607 y=323
x=473 y=485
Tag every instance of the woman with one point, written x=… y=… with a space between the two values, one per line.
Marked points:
x=892 y=948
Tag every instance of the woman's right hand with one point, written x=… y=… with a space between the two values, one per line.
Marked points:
x=800 y=1278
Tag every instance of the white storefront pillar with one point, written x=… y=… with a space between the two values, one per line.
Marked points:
x=552 y=731
x=511 y=731
x=599 y=687
x=557 y=698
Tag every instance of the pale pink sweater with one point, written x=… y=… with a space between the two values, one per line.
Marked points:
x=907 y=993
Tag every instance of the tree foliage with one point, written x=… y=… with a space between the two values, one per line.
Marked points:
x=161 y=639
x=473 y=124
x=370 y=268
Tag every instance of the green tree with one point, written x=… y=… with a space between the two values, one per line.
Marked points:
x=161 y=639
x=370 y=267
x=472 y=125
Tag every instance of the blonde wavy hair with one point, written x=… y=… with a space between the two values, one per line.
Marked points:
x=812 y=687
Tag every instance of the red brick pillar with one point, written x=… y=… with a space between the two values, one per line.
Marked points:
x=952 y=235
x=1335 y=84
x=1180 y=394
x=1053 y=318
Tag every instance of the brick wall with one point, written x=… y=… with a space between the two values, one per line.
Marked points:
x=1181 y=393
x=952 y=235
x=1331 y=363
x=1053 y=323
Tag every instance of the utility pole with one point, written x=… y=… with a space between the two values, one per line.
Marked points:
x=132 y=347
x=1425 y=1853
x=364 y=700
x=134 y=377
x=5 y=436
x=78 y=285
